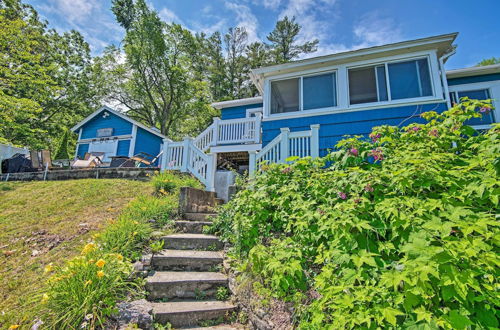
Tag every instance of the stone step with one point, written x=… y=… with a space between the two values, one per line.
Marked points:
x=199 y=285
x=192 y=242
x=190 y=313
x=185 y=260
x=193 y=227
x=199 y=216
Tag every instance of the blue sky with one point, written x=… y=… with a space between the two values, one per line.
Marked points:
x=339 y=24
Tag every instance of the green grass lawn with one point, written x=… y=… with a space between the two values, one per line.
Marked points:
x=44 y=222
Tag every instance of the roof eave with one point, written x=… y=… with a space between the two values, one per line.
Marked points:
x=473 y=71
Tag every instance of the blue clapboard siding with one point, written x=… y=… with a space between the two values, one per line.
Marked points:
x=334 y=126
x=123 y=148
x=474 y=79
x=147 y=142
x=120 y=126
x=238 y=112
x=82 y=149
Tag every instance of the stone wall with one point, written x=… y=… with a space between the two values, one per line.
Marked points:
x=192 y=200
x=95 y=173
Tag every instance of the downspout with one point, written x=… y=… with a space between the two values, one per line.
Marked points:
x=444 y=81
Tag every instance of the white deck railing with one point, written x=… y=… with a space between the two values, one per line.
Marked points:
x=286 y=144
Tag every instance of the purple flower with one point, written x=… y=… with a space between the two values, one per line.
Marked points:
x=374 y=137
x=286 y=170
x=486 y=109
x=368 y=188
x=342 y=195
x=415 y=128
x=434 y=132
x=354 y=151
x=377 y=154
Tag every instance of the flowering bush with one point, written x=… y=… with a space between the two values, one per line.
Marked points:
x=85 y=290
x=400 y=233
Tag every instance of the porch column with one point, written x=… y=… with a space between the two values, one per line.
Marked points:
x=252 y=165
x=285 y=131
x=211 y=169
x=315 y=141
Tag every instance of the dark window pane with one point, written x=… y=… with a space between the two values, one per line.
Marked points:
x=382 y=83
x=480 y=94
x=285 y=96
x=362 y=85
x=409 y=79
x=319 y=91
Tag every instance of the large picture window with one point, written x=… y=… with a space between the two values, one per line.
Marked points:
x=304 y=93
x=408 y=79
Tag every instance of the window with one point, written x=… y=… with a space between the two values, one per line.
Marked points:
x=408 y=79
x=304 y=93
x=285 y=96
x=319 y=91
x=478 y=94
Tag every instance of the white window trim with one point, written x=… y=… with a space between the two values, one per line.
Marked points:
x=342 y=87
x=493 y=88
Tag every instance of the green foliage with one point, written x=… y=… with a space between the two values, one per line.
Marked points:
x=222 y=293
x=62 y=150
x=399 y=231
x=85 y=290
x=169 y=182
x=157 y=246
x=489 y=61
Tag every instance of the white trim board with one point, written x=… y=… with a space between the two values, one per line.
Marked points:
x=236 y=148
x=119 y=114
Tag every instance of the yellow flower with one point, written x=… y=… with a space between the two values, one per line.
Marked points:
x=49 y=268
x=136 y=222
x=100 y=263
x=14 y=326
x=100 y=274
x=119 y=257
x=89 y=282
x=134 y=233
x=96 y=235
x=45 y=298
x=88 y=248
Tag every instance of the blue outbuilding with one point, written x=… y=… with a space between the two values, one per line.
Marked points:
x=115 y=134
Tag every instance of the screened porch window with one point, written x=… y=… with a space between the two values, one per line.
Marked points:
x=319 y=91
x=477 y=94
x=285 y=96
x=390 y=81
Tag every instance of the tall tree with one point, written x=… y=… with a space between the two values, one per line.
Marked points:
x=489 y=61
x=236 y=41
x=157 y=85
x=284 y=41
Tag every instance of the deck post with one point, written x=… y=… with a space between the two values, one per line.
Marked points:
x=315 y=141
x=164 y=156
x=252 y=163
x=258 y=119
x=216 y=131
x=185 y=154
x=285 y=131
x=211 y=169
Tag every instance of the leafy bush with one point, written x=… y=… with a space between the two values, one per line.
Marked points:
x=168 y=182
x=85 y=290
x=398 y=230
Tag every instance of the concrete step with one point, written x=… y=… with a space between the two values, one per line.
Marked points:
x=192 y=242
x=199 y=216
x=185 y=260
x=193 y=227
x=199 y=285
x=190 y=313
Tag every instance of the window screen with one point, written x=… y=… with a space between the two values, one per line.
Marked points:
x=409 y=79
x=285 y=96
x=319 y=91
x=479 y=94
x=362 y=85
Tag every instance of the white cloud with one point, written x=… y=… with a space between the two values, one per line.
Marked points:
x=75 y=10
x=245 y=18
x=374 y=30
x=169 y=16
x=269 y=4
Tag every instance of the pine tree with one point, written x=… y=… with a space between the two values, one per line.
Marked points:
x=62 y=150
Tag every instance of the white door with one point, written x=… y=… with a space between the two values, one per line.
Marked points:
x=108 y=147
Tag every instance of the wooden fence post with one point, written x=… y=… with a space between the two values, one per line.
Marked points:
x=252 y=163
x=284 y=144
x=164 y=156
x=185 y=154
x=315 y=141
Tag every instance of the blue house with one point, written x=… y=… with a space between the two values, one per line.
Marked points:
x=114 y=134
x=307 y=106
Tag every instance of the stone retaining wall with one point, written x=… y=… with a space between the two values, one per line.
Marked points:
x=133 y=173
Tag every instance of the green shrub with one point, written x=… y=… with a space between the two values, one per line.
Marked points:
x=85 y=290
x=62 y=150
x=398 y=231
x=169 y=182
x=145 y=208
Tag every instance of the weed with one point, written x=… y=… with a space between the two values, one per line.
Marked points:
x=222 y=293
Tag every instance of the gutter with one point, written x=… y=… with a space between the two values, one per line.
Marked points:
x=444 y=80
